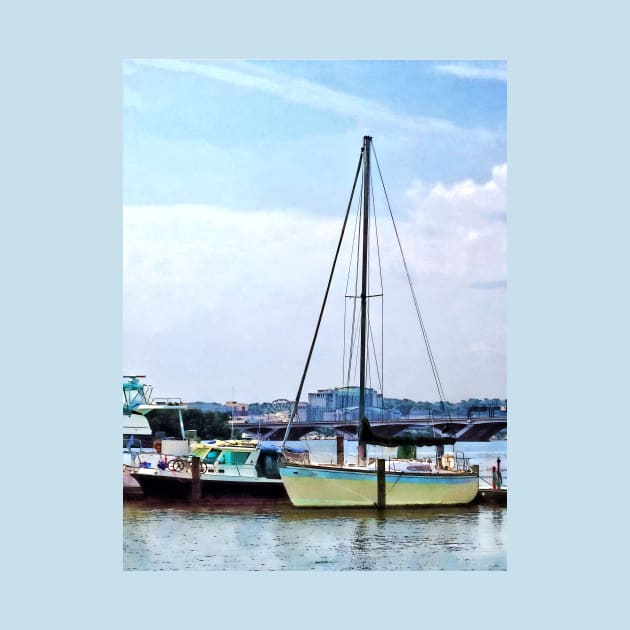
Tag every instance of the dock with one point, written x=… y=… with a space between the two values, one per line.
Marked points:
x=492 y=496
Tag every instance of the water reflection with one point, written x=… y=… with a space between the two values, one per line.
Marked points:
x=276 y=536
x=272 y=535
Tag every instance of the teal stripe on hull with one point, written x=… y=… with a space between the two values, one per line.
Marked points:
x=338 y=474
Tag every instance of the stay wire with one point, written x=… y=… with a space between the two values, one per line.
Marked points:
x=380 y=271
x=378 y=372
x=321 y=313
x=345 y=309
x=436 y=376
x=353 y=326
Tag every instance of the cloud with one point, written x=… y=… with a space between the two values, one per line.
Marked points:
x=220 y=294
x=467 y=221
x=219 y=297
x=472 y=71
x=303 y=92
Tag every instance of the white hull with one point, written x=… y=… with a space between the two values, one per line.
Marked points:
x=328 y=486
x=135 y=424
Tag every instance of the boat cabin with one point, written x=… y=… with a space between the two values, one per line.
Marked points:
x=241 y=457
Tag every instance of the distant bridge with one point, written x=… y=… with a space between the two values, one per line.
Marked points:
x=462 y=429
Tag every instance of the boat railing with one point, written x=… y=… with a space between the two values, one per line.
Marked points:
x=296 y=457
x=169 y=402
x=461 y=461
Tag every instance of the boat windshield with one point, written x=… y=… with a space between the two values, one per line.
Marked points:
x=211 y=457
x=235 y=458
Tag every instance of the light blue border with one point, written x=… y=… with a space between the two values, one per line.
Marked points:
x=62 y=252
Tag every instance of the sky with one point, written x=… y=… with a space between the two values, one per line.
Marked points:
x=236 y=177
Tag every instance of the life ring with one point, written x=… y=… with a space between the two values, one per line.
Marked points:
x=448 y=461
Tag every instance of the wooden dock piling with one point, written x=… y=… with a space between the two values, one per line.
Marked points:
x=195 y=492
x=380 y=483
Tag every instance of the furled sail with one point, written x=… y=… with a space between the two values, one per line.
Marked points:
x=367 y=436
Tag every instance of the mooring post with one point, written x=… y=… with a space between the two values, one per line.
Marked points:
x=499 y=476
x=380 y=483
x=195 y=492
x=340 y=450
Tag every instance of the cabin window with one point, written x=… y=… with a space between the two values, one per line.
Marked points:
x=269 y=466
x=211 y=457
x=234 y=458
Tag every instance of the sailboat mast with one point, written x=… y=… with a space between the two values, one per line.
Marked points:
x=364 y=269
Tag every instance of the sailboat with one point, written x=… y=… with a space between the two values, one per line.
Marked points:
x=447 y=480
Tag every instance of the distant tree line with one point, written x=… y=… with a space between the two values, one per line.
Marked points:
x=216 y=424
x=259 y=409
x=208 y=424
x=405 y=405
x=459 y=409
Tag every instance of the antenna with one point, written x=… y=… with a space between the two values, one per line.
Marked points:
x=233 y=403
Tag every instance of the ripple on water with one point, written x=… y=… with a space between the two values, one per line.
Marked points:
x=159 y=537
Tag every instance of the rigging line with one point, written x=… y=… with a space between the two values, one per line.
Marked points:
x=343 y=356
x=369 y=310
x=369 y=368
x=378 y=247
x=356 y=366
x=355 y=332
x=436 y=376
x=345 y=303
x=368 y=373
x=354 y=336
x=378 y=373
x=321 y=313
x=380 y=272
x=356 y=285
x=368 y=319
x=368 y=358
x=351 y=350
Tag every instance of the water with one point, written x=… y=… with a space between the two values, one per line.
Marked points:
x=274 y=536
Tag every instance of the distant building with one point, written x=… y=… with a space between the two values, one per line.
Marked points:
x=302 y=411
x=237 y=409
x=280 y=413
x=352 y=413
x=332 y=404
x=319 y=403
